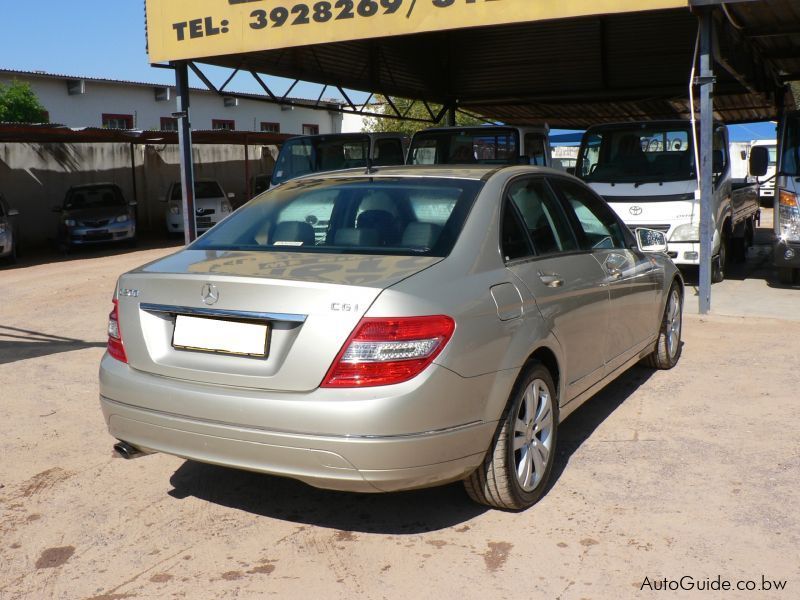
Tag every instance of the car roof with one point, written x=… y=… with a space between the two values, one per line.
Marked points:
x=475 y=172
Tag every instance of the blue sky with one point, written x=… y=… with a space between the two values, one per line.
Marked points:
x=105 y=38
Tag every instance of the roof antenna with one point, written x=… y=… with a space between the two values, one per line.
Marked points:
x=370 y=170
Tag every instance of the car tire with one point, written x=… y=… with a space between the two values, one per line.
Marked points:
x=668 y=346
x=515 y=479
x=719 y=265
x=787 y=275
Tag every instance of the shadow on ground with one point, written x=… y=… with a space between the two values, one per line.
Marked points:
x=43 y=255
x=21 y=344
x=398 y=513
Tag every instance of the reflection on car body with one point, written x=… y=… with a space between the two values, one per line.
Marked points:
x=439 y=327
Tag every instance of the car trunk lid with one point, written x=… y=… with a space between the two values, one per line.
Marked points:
x=310 y=303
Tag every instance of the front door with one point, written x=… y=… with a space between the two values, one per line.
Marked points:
x=632 y=278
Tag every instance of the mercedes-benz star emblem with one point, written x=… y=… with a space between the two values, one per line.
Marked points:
x=209 y=294
x=635 y=210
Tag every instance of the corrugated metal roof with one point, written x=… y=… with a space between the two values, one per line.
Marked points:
x=49 y=133
x=569 y=73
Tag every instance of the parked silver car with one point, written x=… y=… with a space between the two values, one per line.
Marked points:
x=439 y=327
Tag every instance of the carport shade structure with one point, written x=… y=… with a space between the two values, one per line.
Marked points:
x=571 y=64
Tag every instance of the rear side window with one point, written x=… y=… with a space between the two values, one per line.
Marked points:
x=543 y=217
x=597 y=223
x=358 y=215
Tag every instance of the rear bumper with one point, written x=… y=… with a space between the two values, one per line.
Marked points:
x=351 y=461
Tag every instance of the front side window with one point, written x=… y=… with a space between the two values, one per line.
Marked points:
x=596 y=222
x=358 y=215
x=543 y=217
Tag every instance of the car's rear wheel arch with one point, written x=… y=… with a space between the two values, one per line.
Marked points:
x=549 y=360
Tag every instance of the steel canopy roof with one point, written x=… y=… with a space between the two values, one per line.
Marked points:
x=569 y=72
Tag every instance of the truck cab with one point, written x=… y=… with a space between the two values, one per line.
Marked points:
x=786 y=218
x=498 y=145
x=646 y=171
x=306 y=154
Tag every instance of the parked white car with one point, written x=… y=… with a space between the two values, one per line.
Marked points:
x=210 y=202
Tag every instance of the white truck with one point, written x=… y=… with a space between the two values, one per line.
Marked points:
x=646 y=172
x=786 y=218
x=488 y=145
x=766 y=187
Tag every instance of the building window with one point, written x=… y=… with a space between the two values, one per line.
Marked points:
x=117 y=121
x=268 y=127
x=169 y=124
x=225 y=124
x=310 y=129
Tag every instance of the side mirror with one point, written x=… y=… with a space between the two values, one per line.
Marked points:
x=650 y=240
x=718 y=162
x=13 y=212
x=759 y=161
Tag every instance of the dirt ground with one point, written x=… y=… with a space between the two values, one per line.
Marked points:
x=688 y=473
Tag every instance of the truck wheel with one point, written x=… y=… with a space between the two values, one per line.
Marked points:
x=668 y=346
x=786 y=275
x=719 y=265
x=517 y=466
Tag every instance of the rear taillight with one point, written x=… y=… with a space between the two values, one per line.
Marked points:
x=388 y=351
x=115 y=347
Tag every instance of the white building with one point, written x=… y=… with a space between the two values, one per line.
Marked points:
x=77 y=101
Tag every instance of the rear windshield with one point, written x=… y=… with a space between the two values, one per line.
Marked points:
x=202 y=189
x=399 y=216
x=93 y=197
x=636 y=154
x=300 y=156
x=467 y=146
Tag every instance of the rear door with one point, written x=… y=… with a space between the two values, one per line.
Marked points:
x=632 y=278
x=541 y=249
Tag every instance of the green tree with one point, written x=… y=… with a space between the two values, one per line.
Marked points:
x=411 y=109
x=19 y=104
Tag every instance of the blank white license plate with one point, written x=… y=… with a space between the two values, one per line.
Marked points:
x=216 y=335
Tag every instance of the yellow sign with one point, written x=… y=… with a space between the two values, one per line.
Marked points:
x=194 y=29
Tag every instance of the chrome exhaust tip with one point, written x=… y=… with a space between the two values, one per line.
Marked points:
x=126 y=451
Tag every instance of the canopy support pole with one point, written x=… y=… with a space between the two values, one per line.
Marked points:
x=185 y=144
x=706 y=81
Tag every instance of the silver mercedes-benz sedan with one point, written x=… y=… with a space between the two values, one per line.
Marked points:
x=390 y=329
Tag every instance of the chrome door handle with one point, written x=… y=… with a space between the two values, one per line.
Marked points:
x=615 y=274
x=552 y=280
